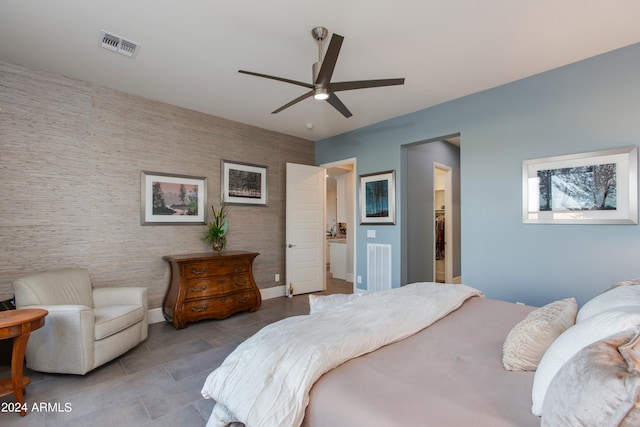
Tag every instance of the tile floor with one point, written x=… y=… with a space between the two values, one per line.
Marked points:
x=157 y=383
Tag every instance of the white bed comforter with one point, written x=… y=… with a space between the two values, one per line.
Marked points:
x=266 y=381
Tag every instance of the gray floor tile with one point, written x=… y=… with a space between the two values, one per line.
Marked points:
x=164 y=354
x=187 y=415
x=205 y=361
x=124 y=413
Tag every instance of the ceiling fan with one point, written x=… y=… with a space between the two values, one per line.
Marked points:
x=322 y=88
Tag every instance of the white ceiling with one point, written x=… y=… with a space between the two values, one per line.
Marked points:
x=192 y=50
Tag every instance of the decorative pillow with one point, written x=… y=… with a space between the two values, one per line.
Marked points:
x=574 y=339
x=529 y=339
x=318 y=303
x=599 y=386
x=618 y=296
x=624 y=283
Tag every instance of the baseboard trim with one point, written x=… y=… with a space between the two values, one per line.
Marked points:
x=273 y=292
x=154 y=315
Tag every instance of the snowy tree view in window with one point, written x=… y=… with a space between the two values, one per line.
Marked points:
x=591 y=187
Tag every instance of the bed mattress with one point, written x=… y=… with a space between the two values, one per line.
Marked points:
x=449 y=374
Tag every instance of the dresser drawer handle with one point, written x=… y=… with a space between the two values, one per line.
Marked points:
x=243 y=300
x=194 y=271
x=239 y=267
x=202 y=288
x=198 y=310
x=241 y=282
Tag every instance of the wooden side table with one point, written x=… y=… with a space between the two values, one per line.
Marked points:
x=18 y=324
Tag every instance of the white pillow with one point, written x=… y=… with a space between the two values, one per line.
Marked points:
x=318 y=303
x=529 y=339
x=574 y=339
x=617 y=296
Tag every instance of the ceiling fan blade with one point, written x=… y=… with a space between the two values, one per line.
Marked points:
x=338 y=105
x=363 y=84
x=295 y=101
x=280 y=79
x=329 y=61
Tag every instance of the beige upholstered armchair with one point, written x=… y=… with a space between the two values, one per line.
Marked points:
x=85 y=327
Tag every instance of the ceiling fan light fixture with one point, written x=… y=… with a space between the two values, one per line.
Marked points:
x=320 y=94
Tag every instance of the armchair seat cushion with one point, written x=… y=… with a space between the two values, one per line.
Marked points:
x=113 y=319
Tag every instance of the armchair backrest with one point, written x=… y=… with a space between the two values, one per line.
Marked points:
x=69 y=286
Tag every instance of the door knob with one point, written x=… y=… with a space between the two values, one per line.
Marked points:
x=290 y=245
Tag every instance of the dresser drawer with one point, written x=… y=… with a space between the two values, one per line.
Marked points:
x=211 y=286
x=221 y=267
x=219 y=307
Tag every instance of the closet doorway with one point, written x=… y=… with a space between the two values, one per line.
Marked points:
x=442 y=241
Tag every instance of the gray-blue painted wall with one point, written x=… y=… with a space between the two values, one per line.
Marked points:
x=587 y=106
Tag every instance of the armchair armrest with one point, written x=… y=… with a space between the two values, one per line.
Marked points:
x=129 y=295
x=66 y=342
x=103 y=297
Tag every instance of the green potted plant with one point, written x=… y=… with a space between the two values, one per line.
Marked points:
x=217 y=228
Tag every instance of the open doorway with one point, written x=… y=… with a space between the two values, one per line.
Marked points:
x=421 y=162
x=340 y=221
x=442 y=241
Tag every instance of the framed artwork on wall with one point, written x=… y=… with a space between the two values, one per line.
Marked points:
x=169 y=199
x=378 y=198
x=243 y=183
x=598 y=187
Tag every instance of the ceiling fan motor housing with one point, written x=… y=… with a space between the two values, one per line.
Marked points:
x=319 y=33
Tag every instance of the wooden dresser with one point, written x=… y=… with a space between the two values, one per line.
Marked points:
x=210 y=286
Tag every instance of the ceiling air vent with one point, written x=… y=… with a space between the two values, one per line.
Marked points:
x=118 y=44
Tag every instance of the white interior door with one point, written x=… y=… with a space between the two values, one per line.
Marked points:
x=305 y=234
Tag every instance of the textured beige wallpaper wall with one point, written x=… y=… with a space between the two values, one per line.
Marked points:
x=70 y=161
